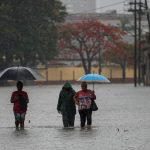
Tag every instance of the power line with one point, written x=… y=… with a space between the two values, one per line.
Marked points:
x=114 y=4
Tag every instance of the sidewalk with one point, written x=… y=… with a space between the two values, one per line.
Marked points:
x=121 y=123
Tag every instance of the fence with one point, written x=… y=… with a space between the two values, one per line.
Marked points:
x=74 y=73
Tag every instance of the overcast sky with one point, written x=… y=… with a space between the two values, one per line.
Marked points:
x=105 y=5
x=119 y=5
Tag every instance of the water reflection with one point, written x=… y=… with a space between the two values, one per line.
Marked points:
x=75 y=132
x=21 y=133
x=122 y=107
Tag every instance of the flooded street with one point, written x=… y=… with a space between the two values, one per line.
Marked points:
x=121 y=123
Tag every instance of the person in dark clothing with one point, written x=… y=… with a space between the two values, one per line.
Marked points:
x=66 y=105
x=20 y=99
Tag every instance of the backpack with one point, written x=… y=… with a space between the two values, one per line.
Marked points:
x=23 y=102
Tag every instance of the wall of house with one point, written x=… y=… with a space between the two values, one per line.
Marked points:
x=74 y=73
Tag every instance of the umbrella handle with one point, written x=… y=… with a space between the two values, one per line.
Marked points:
x=93 y=86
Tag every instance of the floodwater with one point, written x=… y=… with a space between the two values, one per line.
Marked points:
x=121 y=123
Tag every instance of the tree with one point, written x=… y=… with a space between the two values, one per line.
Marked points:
x=122 y=55
x=88 y=39
x=28 y=30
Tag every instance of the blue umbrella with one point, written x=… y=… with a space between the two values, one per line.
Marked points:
x=94 y=78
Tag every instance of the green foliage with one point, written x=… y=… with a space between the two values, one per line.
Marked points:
x=28 y=30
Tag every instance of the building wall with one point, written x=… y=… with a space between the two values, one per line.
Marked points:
x=80 y=6
x=74 y=73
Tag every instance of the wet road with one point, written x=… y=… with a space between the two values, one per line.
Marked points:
x=121 y=123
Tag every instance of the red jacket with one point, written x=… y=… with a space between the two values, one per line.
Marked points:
x=83 y=99
x=15 y=99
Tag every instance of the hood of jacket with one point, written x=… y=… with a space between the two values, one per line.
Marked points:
x=67 y=85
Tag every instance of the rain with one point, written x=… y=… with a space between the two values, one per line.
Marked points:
x=121 y=123
x=63 y=41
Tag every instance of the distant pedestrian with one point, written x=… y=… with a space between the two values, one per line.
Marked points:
x=20 y=99
x=83 y=99
x=66 y=105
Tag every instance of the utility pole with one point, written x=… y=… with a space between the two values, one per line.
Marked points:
x=139 y=43
x=137 y=52
x=148 y=16
x=134 y=10
x=135 y=45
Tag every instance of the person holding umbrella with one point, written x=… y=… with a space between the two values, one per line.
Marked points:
x=66 y=105
x=83 y=99
x=20 y=99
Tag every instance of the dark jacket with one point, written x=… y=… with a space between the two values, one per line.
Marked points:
x=66 y=103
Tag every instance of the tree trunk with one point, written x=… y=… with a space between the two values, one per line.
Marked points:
x=123 y=67
x=84 y=65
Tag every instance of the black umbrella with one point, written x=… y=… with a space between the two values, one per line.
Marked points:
x=19 y=73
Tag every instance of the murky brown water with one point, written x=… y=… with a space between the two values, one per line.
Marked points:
x=122 y=122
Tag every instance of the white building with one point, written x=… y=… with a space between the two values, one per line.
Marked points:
x=80 y=6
